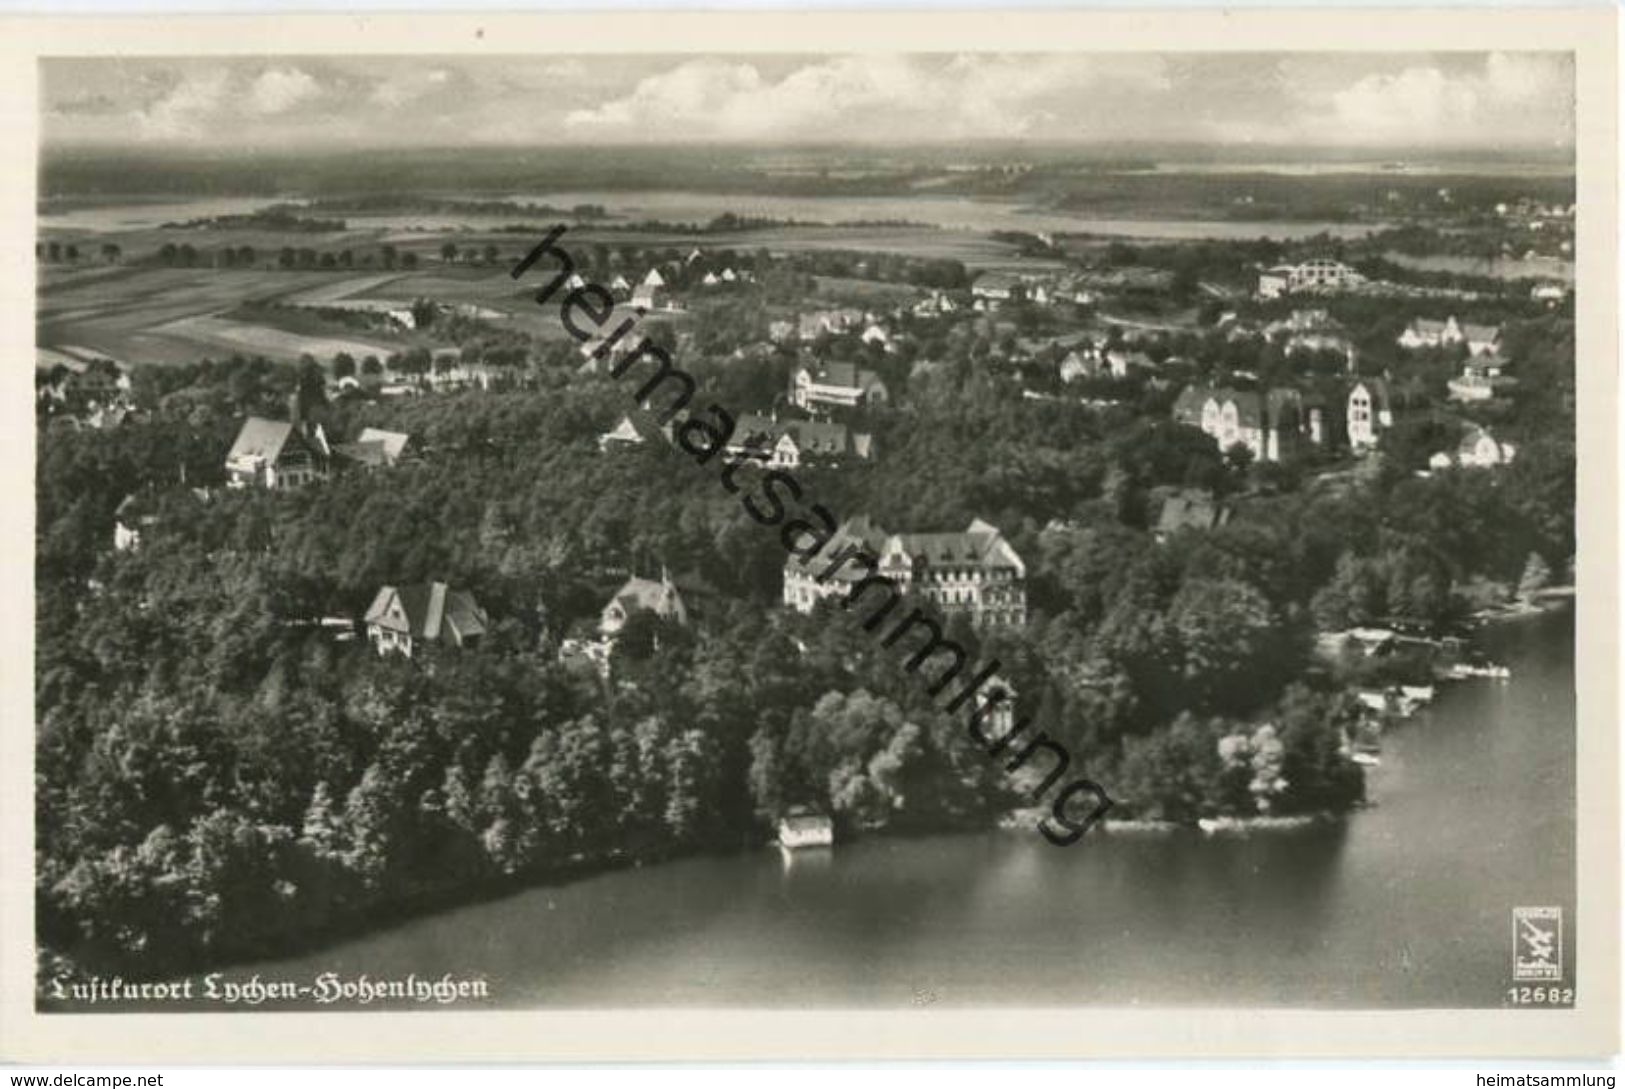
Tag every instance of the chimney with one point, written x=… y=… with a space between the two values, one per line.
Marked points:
x=296 y=410
x=435 y=611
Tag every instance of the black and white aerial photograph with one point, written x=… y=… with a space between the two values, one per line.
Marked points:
x=753 y=530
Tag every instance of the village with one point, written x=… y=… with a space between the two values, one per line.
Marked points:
x=1226 y=510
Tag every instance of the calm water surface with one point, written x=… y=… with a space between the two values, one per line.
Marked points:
x=1406 y=904
x=949 y=213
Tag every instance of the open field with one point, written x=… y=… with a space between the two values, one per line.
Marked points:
x=140 y=315
x=235 y=336
x=145 y=314
x=867 y=292
x=334 y=292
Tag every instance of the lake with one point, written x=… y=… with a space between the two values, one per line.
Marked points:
x=947 y=213
x=1406 y=904
x=940 y=213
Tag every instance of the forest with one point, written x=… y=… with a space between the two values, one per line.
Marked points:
x=220 y=776
x=226 y=768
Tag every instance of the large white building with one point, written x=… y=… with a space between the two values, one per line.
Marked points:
x=1270 y=424
x=973 y=572
x=789 y=444
x=1319 y=275
x=836 y=385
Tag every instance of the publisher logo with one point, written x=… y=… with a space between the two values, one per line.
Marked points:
x=1537 y=943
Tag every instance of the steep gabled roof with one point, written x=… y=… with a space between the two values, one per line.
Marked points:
x=393 y=443
x=660 y=598
x=260 y=439
x=1378 y=390
x=427 y=610
x=845 y=375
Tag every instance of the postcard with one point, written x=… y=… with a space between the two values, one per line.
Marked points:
x=811 y=535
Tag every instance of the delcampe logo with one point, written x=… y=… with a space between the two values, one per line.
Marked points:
x=1537 y=943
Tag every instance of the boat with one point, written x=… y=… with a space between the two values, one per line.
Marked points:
x=1367 y=759
x=1461 y=671
x=1418 y=694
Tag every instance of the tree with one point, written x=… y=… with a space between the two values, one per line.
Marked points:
x=1229 y=641
x=343 y=365
x=424 y=312
x=448 y=252
x=312 y=388
x=1175 y=774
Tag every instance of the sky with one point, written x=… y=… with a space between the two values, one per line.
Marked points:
x=1446 y=100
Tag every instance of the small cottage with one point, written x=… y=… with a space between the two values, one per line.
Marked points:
x=403 y=617
x=802 y=828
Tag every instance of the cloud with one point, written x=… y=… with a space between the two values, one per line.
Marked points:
x=868 y=97
x=182 y=110
x=278 y=90
x=413 y=85
x=1510 y=98
x=84 y=105
x=1347 y=99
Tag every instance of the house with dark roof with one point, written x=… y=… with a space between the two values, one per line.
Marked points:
x=278 y=453
x=1271 y=424
x=401 y=618
x=974 y=572
x=836 y=385
x=788 y=444
x=642 y=595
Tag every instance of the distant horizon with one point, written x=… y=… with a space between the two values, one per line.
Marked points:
x=1105 y=151
x=1355 y=103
